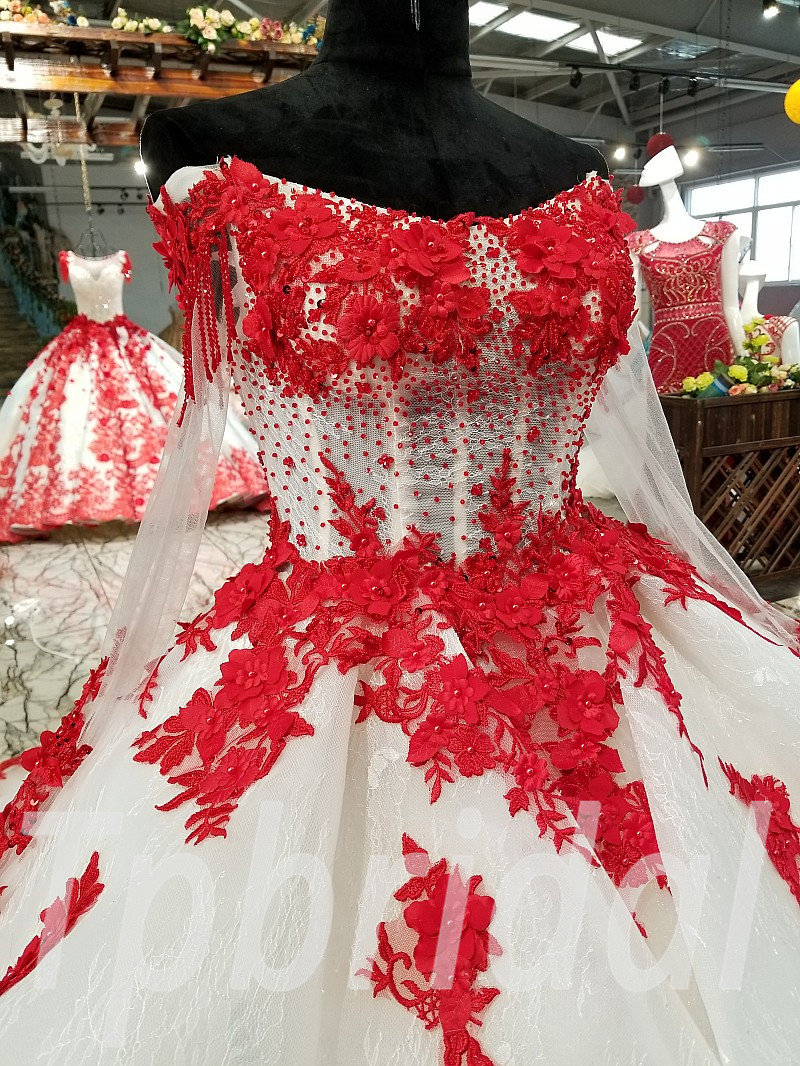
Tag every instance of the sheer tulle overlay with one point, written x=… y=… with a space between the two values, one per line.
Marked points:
x=462 y=772
x=83 y=430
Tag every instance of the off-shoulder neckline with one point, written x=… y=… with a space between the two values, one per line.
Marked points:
x=182 y=181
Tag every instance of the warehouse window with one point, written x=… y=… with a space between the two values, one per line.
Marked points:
x=766 y=209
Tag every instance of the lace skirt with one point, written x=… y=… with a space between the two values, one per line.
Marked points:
x=536 y=806
x=82 y=432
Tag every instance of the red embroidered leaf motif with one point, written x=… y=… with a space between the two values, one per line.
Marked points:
x=783 y=834
x=57 y=757
x=58 y=920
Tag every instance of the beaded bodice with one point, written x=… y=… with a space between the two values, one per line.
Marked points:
x=97 y=283
x=682 y=276
x=397 y=368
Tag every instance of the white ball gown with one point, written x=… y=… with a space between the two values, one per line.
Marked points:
x=83 y=430
x=463 y=773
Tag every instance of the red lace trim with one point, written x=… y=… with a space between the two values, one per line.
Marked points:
x=58 y=920
x=447 y=922
x=783 y=836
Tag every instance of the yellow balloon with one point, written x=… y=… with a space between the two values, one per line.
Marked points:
x=791 y=102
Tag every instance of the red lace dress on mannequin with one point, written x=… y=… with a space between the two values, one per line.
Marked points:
x=685 y=284
x=82 y=431
x=418 y=783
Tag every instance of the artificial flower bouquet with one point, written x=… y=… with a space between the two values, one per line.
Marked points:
x=16 y=11
x=208 y=28
x=747 y=375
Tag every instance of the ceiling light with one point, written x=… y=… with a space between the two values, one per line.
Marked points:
x=770 y=9
x=481 y=13
x=613 y=44
x=620 y=152
x=10 y=620
x=635 y=82
x=140 y=167
x=537 y=27
x=9 y=643
x=576 y=79
x=691 y=158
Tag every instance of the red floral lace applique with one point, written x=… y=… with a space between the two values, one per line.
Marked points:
x=783 y=836
x=515 y=702
x=49 y=765
x=431 y=962
x=335 y=282
x=58 y=920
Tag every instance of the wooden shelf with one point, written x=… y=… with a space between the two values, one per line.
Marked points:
x=99 y=63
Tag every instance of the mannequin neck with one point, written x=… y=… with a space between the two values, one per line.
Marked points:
x=382 y=34
x=676 y=224
x=750 y=300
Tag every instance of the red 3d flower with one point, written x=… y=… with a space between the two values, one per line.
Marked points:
x=377 y=588
x=249 y=677
x=368 y=329
x=427 y=250
x=461 y=689
x=586 y=705
x=530 y=772
x=544 y=247
x=454 y=921
x=309 y=221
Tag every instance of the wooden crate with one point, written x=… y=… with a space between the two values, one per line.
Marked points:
x=741 y=459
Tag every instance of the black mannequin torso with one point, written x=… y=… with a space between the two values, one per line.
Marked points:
x=386 y=115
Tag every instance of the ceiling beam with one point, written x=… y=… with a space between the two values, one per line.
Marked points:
x=548 y=86
x=610 y=75
x=643 y=27
x=496 y=23
x=641 y=49
x=553 y=46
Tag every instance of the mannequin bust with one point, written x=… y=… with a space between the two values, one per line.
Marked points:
x=784 y=332
x=387 y=114
x=677 y=226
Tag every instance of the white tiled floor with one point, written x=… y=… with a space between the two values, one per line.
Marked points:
x=56 y=598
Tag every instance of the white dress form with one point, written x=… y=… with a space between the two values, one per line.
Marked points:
x=752 y=276
x=677 y=226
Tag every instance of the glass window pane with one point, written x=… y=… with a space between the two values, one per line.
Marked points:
x=723 y=196
x=742 y=220
x=773 y=241
x=794 y=269
x=780 y=188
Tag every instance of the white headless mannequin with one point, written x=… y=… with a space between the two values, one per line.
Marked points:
x=676 y=227
x=752 y=276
